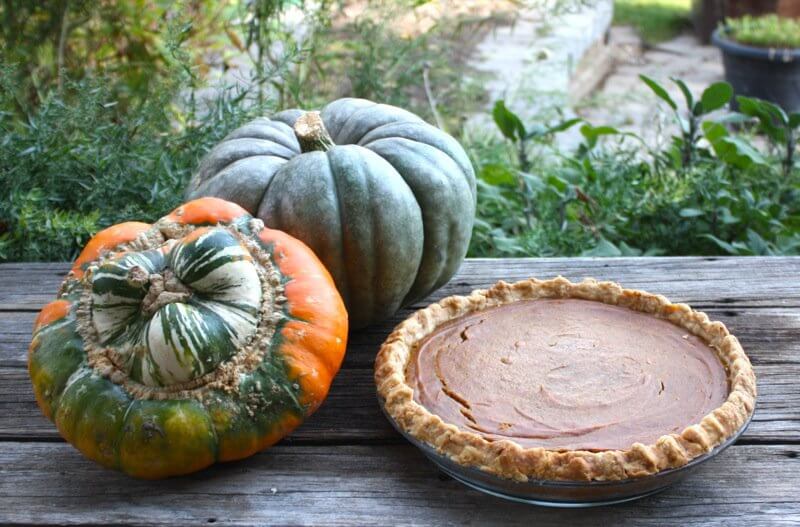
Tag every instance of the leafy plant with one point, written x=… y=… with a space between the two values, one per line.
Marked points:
x=766 y=31
x=83 y=147
x=612 y=198
x=689 y=117
x=127 y=43
x=71 y=168
x=513 y=129
x=782 y=128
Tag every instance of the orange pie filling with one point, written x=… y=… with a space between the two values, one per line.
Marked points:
x=567 y=374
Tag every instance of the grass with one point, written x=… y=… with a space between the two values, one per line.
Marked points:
x=655 y=20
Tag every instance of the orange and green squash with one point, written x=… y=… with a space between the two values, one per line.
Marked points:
x=204 y=337
x=385 y=200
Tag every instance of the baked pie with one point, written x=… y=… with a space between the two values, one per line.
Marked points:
x=554 y=380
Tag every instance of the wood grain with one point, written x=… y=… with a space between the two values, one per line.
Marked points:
x=703 y=281
x=346 y=465
x=351 y=413
x=370 y=485
x=769 y=335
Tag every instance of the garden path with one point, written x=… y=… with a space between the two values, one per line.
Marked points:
x=530 y=63
x=624 y=101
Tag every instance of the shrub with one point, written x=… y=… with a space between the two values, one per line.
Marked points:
x=84 y=148
x=709 y=192
x=71 y=168
x=82 y=155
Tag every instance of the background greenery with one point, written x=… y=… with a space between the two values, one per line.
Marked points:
x=768 y=31
x=105 y=110
x=655 y=20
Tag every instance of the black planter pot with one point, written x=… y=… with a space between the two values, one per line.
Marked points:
x=769 y=74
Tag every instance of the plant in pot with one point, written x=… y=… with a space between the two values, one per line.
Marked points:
x=707 y=14
x=762 y=58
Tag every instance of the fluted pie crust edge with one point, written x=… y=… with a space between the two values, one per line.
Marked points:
x=506 y=458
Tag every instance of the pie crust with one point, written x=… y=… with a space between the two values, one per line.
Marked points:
x=506 y=458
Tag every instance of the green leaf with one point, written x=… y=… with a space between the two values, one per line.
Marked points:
x=757 y=243
x=508 y=122
x=713 y=131
x=746 y=154
x=735 y=151
x=794 y=120
x=691 y=213
x=593 y=133
x=588 y=169
x=687 y=94
x=727 y=217
x=600 y=130
x=564 y=125
x=659 y=91
x=496 y=174
x=716 y=96
x=767 y=114
x=557 y=183
x=604 y=248
x=725 y=246
x=627 y=250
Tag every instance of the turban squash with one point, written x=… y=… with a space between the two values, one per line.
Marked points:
x=384 y=199
x=203 y=337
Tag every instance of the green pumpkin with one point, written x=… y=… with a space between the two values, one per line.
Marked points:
x=384 y=199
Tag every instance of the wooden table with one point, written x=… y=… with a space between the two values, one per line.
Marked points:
x=346 y=465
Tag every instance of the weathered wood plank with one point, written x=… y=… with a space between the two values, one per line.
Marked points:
x=373 y=476
x=769 y=335
x=703 y=281
x=351 y=413
x=369 y=485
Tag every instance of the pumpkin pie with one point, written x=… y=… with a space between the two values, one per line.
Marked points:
x=554 y=380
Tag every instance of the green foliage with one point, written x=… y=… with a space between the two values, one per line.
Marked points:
x=364 y=57
x=69 y=170
x=689 y=117
x=655 y=20
x=710 y=192
x=766 y=31
x=104 y=110
x=127 y=43
x=781 y=128
x=84 y=146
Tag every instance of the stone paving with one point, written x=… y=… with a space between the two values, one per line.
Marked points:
x=536 y=63
x=530 y=62
x=625 y=102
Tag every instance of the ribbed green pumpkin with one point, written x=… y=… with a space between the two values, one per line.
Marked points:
x=384 y=199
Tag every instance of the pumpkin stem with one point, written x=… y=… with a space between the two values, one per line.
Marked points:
x=311 y=133
x=164 y=289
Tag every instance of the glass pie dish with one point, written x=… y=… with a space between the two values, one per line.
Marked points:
x=564 y=494
x=565 y=394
